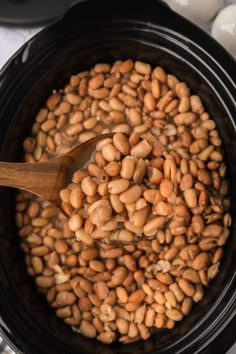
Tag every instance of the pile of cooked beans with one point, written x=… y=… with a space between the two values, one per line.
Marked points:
x=147 y=217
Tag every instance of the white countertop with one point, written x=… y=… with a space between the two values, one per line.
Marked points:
x=12 y=39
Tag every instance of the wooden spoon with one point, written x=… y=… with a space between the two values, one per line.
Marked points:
x=46 y=179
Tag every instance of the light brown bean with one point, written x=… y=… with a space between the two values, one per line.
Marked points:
x=131 y=195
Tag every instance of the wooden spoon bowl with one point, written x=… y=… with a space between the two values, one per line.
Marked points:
x=47 y=179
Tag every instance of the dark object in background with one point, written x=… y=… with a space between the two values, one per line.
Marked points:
x=91 y=32
x=32 y=12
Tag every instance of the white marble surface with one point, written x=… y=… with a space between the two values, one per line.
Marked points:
x=12 y=39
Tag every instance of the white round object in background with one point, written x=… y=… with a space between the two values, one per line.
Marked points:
x=201 y=12
x=224 y=28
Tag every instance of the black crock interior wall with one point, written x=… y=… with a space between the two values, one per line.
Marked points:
x=52 y=69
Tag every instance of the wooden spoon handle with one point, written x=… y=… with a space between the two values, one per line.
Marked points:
x=41 y=178
x=46 y=179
